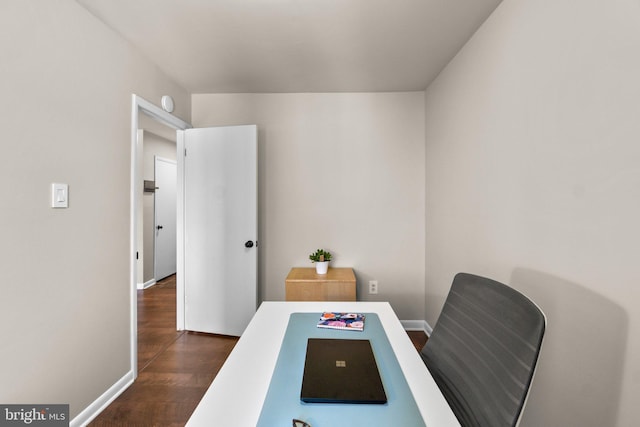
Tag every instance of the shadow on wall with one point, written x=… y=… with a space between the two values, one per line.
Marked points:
x=579 y=377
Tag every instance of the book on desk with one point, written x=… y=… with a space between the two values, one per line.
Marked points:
x=343 y=321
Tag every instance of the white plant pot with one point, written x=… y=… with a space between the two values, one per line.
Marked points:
x=322 y=267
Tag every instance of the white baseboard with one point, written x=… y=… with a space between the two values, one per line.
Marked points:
x=417 y=325
x=147 y=284
x=94 y=409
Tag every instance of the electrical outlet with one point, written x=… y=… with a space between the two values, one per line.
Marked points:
x=373 y=286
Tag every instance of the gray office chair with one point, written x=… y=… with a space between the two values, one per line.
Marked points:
x=483 y=351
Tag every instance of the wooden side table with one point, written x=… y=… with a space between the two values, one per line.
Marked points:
x=303 y=284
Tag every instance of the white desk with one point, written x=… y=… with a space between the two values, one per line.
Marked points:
x=236 y=395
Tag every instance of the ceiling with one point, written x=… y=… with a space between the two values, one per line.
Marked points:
x=227 y=46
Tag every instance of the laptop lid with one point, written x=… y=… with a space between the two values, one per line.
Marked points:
x=341 y=371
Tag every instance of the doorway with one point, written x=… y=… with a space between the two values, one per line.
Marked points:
x=146 y=113
x=156 y=237
x=233 y=152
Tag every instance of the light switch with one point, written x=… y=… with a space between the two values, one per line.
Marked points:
x=59 y=195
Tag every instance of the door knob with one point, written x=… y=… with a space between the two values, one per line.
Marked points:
x=159 y=227
x=248 y=244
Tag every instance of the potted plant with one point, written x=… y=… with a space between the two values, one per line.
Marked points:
x=321 y=258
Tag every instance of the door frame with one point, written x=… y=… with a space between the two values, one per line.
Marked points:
x=141 y=105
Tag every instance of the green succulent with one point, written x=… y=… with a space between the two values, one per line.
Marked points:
x=320 y=255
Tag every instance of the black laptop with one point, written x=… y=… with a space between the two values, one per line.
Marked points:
x=341 y=371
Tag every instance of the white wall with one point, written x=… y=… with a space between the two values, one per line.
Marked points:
x=533 y=179
x=344 y=172
x=65 y=294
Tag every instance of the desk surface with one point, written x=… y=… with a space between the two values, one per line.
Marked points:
x=236 y=395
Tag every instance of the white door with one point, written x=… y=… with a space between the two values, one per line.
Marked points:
x=220 y=228
x=165 y=218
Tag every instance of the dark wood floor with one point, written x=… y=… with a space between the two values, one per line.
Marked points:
x=175 y=368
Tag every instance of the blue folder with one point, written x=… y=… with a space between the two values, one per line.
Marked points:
x=282 y=402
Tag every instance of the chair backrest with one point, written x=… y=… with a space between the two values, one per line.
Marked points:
x=483 y=350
